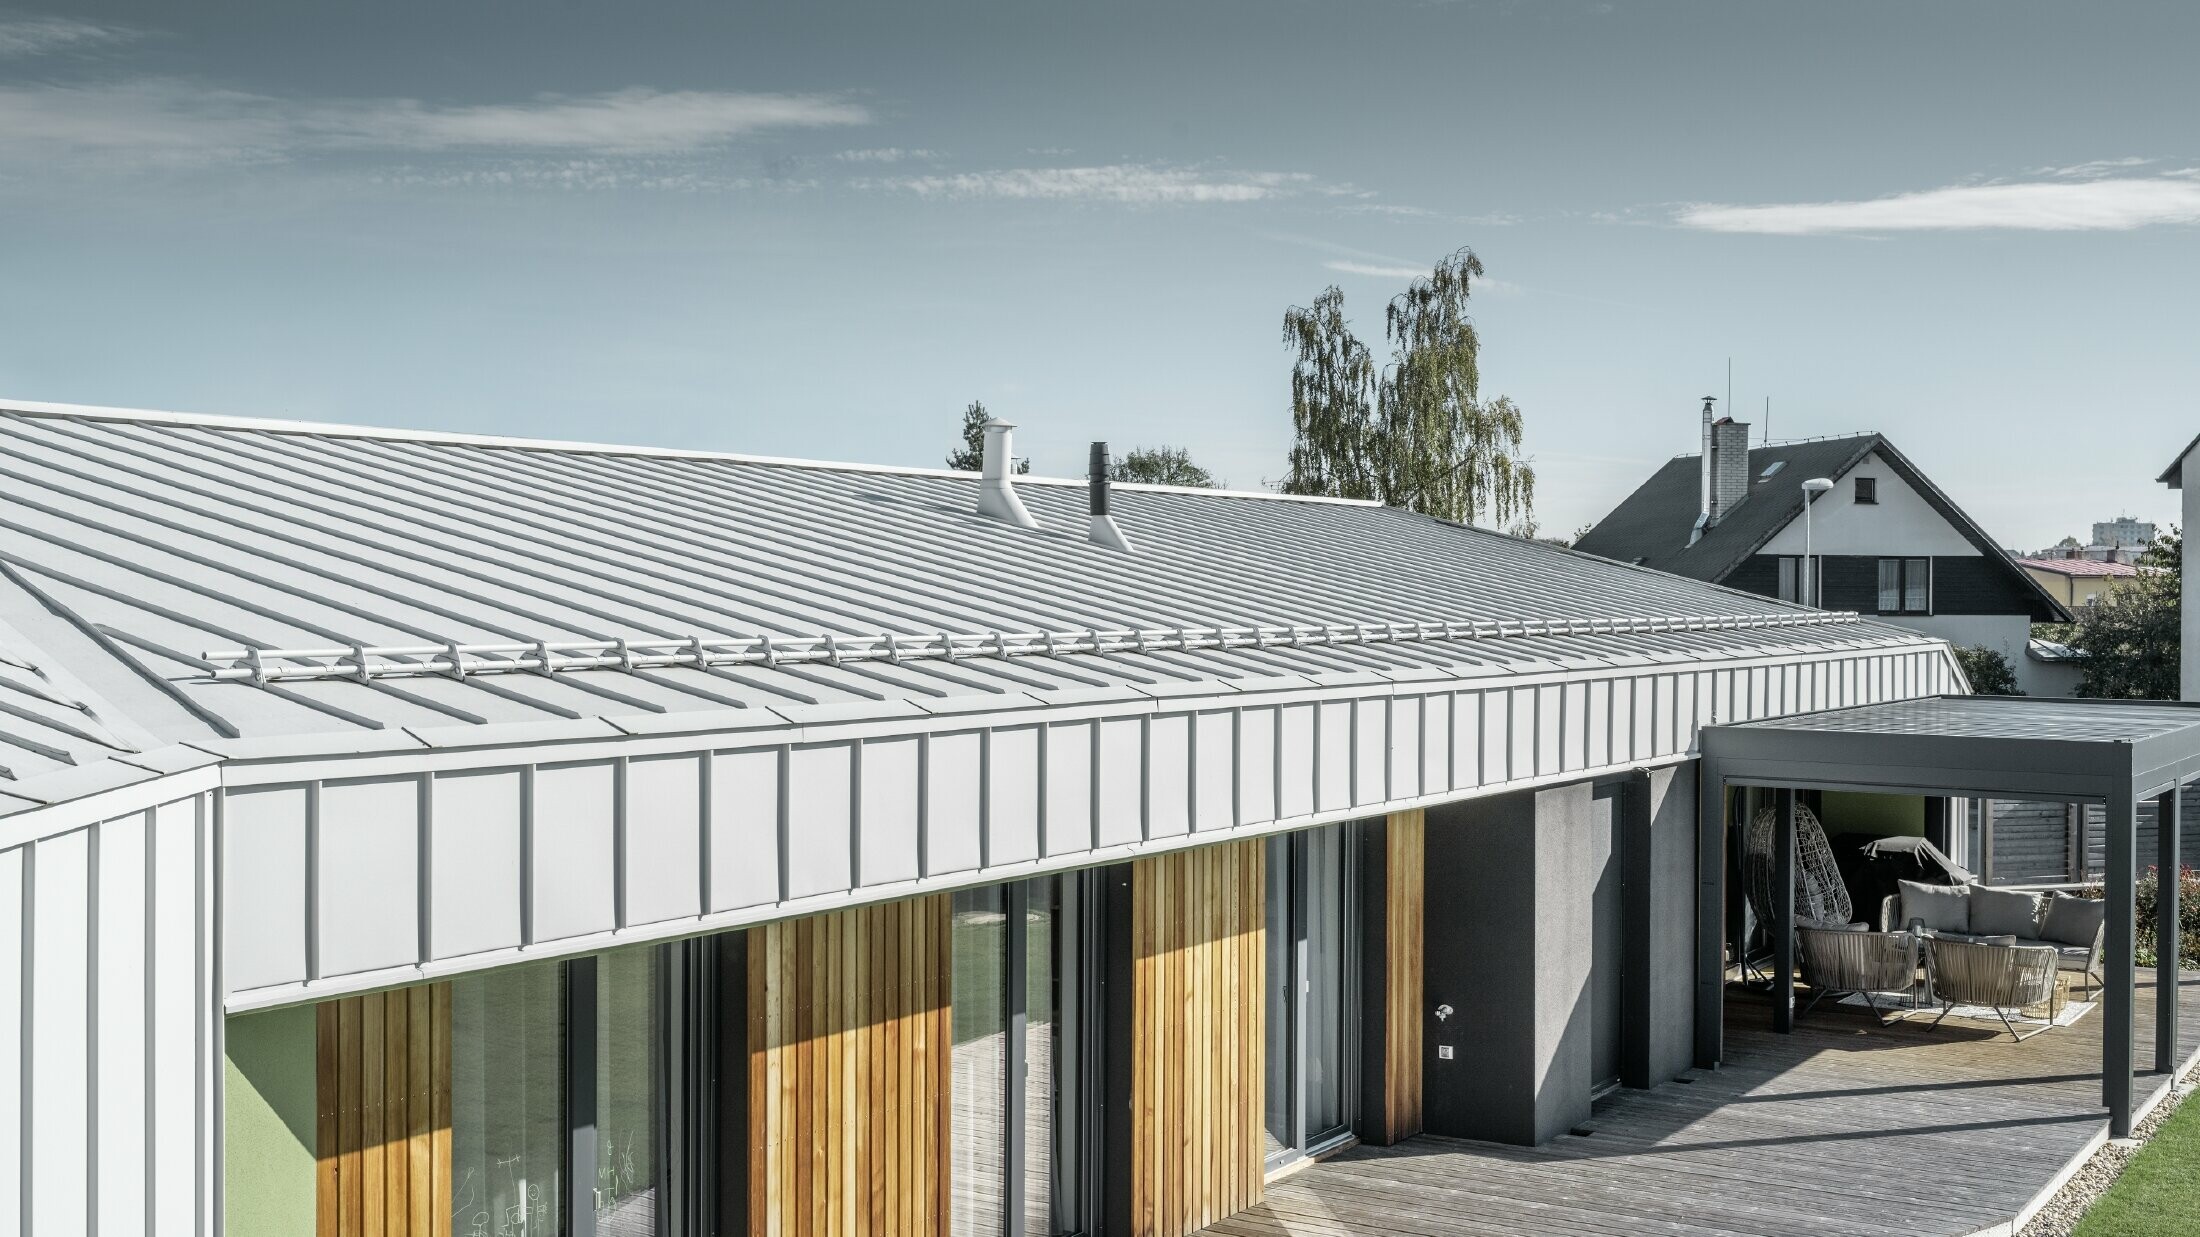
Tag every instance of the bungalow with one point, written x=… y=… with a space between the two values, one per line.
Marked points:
x=428 y=834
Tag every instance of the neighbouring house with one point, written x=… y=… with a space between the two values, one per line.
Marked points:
x=2079 y=583
x=494 y=836
x=1885 y=541
x=2189 y=603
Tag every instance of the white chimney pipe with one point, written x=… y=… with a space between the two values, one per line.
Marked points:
x=996 y=492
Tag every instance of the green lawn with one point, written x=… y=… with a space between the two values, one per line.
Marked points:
x=2160 y=1191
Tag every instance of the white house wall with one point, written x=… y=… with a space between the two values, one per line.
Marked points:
x=108 y=1001
x=1901 y=522
x=386 y=868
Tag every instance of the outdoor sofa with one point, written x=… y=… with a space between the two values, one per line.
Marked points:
x=1984 y=915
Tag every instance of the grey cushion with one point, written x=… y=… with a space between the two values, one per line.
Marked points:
x=2072 y=921
x=1944 y=908
x=2067 y=957
x=1973 y=939
x=1836 y=927
x=2004 y=912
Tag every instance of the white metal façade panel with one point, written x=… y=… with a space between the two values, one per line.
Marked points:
x=474 y=862
x=1333 y=755
x=1521 y=731
x=664 y=835
x=1550 y=718
x=263 y=852
x=1436 y=743
x=1370 y=727
x=953 y=810
x=60 y=1182
x=1012 y=795
x=886 y=811
x=819 y=850
x=573 y=859
x=1122 y=779
x=1168 y=776
x=1214 y=770
x=1256 y=771
x=182 y=1006
x=1294 y=761
x=13 y=997
x=1573 y=736
x=1466 y=740
x=119 y=976
x=366 y=875
x=1405 y=746
x=1069 y=787
x=744 y=828
x=1598 y=718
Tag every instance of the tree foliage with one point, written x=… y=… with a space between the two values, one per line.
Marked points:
x=969 y=455
x=2129 y=642
x=1416 y=434
x=1988 y=670
x=1160 y=466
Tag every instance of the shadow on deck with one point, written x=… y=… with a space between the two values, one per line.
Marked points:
x=1843 y=1127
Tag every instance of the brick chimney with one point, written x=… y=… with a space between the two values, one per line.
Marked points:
x=1725 y=468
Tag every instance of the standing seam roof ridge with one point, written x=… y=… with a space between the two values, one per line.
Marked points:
x=551 y=656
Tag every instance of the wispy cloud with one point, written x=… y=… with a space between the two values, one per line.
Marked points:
x=168 y=122
x=1134 y=184
x=1379 y=272
x=2110 y=204
x=44 y=36
x=888 y=154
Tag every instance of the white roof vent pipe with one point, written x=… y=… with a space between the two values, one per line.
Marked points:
x=1102 y=530
x=996 y=492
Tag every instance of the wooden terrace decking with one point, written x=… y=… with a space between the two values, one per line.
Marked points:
x=1843 y=1127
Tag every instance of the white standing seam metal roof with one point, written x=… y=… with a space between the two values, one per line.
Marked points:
x=205 y=578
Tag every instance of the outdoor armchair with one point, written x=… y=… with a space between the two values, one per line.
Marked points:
x=2000 y=977
x=1843 y=960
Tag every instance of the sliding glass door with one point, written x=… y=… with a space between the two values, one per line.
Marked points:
x=1311 y=977
x=1018 y=1119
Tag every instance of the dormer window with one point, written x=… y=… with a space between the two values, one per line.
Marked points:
x=1867 y=490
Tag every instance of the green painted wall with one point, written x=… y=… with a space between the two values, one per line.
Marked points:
x=267 y=1151
x=1884 y=816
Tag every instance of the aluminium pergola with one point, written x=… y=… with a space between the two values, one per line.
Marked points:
x=2111 y=752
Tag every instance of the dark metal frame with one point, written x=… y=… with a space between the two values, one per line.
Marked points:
x=1901 y=749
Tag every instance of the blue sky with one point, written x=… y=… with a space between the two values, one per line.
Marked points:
x=820 y=229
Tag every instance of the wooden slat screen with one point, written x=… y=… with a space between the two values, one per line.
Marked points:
x=1198 y=942
x=383 y=1114
x=849 y=1051
x=1405 y=845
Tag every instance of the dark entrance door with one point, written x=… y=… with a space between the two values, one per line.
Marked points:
x=1607 y=932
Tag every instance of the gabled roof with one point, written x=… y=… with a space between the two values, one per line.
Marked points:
x=1651 y=526
x=2174 y=475
x=211 y=578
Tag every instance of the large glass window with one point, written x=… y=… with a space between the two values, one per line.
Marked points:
x=507 y=1102
x=1017 y=1114
x=630 y=1087
x=1310 y=978
x=1905 y=585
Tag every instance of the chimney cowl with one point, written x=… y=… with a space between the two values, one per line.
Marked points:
x=996 y=487
x=1100 y=528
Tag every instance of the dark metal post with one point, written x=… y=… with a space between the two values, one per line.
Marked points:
x=1710 y=914
x=2167 y=923
x=1783 y=913
x=1018 y=918
x=2120 y=992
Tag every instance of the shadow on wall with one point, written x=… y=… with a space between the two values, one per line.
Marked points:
x=268 y=1136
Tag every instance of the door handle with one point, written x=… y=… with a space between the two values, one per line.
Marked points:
x=1443 y=1012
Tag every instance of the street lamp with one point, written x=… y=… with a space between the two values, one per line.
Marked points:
x=1811 y=488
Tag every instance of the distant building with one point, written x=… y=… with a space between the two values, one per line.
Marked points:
x=1886 y=542
x=2123 y=531
x=2079 y=582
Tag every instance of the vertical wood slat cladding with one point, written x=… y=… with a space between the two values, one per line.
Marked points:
x=849 y=1051
x=1405 y=843
x=382 y=1114
x=1198 y=933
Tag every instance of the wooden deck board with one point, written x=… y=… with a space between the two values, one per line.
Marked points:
x=1844 y=1127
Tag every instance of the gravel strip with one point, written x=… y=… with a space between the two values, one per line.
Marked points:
x=2062 y=1212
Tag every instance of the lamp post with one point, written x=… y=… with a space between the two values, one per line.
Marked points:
x=1811 y=489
